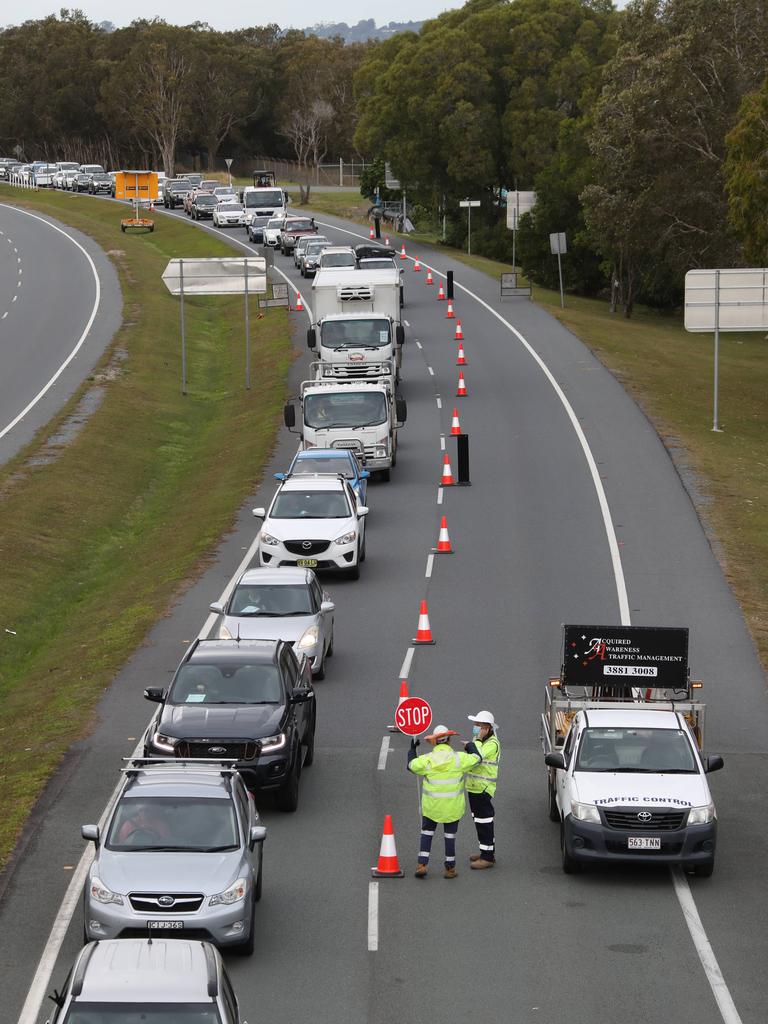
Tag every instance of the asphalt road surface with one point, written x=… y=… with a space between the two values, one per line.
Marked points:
x=522 y=942
x=60 y=305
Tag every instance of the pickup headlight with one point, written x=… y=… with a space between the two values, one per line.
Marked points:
x=585 y=812
x=267 y=538
x=233 y=894
x=164 y=743
x=272 y=743
x=346 y=538
x=308 y=638
x=102 y=894
x=701 y=815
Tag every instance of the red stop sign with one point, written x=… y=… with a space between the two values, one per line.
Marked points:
x=413 y=716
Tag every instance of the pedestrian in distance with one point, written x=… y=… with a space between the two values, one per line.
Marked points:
x=481 y=788
x=442 y=793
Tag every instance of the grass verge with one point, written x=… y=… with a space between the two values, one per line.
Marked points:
x=669 y=373
x=96 y=544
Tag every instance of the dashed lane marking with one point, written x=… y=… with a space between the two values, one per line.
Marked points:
x=439 y=401
x=419 y=345
x=383 y=752
x=373 y=916
x=431 y=371
x=442 y=442
x=405 y=668
x=430 y=563
x=439 y=495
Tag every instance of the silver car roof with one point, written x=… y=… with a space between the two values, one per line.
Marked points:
x=142 y=971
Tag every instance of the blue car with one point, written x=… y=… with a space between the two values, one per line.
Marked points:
x=330 y=461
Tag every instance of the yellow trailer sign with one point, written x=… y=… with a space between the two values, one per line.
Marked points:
x=137 y=186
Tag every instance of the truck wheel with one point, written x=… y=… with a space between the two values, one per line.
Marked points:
x=554 y=814
x=570 y=866
x=704 y=870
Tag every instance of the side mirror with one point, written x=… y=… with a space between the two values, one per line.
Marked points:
x=362 y=510
x=401 y=410
x=280 y=476
x=260 y=513
x=155 y=693
x=554 y=760
x=289 y=415
x=327 y=606
x=258 y=834
x=364 y=474
x=714 y=763
x=311 y=338
x=300 y=695
x=217 y=607
x=400 y=334
x=91 y=833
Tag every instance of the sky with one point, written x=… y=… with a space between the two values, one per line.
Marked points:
x=287 y=14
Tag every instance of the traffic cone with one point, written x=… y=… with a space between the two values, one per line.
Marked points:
x=423 y=632
x=417 y=265
x=299 y=304
x=447 y=479
x=455 y=425
x=402 y=252
x=440 y=292
x=459 y=336
x=429 y=277
x=386 y=239
x=403 y=696
x=388 y=866
x=450 y=315
x=443 y=540
x=461 y=359
x=371 y=233
x=461 y=390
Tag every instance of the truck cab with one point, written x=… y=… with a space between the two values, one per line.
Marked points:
x=263 y=202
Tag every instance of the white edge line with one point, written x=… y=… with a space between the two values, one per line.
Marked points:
x=81 y=341
x=383 y=753
x=405 y=668
x=373 y=917
x=430 y=563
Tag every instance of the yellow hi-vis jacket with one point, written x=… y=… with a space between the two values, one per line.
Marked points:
x=482 y=779
x=442 y=792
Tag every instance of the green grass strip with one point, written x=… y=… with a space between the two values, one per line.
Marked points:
x=95 y=545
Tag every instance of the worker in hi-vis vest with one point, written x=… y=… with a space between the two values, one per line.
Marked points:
x=481 y=787
x=442 y=793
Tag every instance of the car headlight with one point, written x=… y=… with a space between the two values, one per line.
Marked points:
x=701 y=815
x=270 y=743
x=248 y=218
x=308 y=638
x=585 y=812
x=165 y=743
x=233 y=894
x=267 y=538
x=224 y=633
x=102 y=894
x=346 y=538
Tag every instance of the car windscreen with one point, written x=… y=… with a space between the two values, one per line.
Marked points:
x=345 y=409
x=655 y=751
x=310 y=505
x=231 y=207
x=173 y=823
x=338 y=334
x=102 y=177
x=276 y=599
x=206 y=200
x=263 y=200
x=313 y=248
x=226 y=682
x=276 y=223
x=299 y=225
x=338 y=259
x=142 y=1013
x=178 y=186
x=323 y=464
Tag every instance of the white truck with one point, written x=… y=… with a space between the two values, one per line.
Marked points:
x=263 y=202
x=360 y=416
x=356 y=328
x=623 y=738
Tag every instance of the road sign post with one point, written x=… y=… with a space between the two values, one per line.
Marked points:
x=228 y=162
x=469 y=203
x=247 y=328
x=183 y=333
x=413 y=716
x=557 y=246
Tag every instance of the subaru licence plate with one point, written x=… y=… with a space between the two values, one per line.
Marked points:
x=644 y=843
x=164 y=925
x=306 y=563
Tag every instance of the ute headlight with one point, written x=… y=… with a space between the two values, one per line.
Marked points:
x=267 y=538
x=102 y=894
x=346 y=538
x=233 y=894
x=164 y=743
x=308 y=638
x=701 y=815
x=585 y=812
x=270 y=743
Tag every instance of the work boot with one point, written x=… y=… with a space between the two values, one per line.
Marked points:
x=421 y=871
x=475 y=856
x=450 y=873
x=481 y=865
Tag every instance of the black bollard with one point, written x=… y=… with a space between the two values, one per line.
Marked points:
x=462 y=451
x=449 y=284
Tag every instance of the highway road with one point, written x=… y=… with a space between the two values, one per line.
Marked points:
x=575 y=513
x=60 y=305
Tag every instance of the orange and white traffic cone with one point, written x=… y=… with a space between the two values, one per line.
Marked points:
x=402 y=252
x=461 y=359
x=423 y=632
x=461 y=390
x=403 y=696
x=388 y=866
x=299 y=304
x=417 y=265
x=447 y=478
x=455 y=425
x=443 y=540
x=450 y=315
x=371 y=233
x=440 y=292
x=429 y=277
x=386 y=239
x=459 y=336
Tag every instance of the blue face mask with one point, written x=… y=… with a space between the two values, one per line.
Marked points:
x=475 y=730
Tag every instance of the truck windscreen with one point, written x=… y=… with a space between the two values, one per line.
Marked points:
x=355 y=409
x=263 y=199
x=373 y=333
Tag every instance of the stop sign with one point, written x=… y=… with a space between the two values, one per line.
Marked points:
x=413 y=716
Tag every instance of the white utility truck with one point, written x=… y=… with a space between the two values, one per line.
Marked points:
x=623 y=741
x=263 y=202
x=360 y=416
x=356 y=328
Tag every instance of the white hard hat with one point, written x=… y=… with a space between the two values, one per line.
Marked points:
x=483 y=718
x=439 y=732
